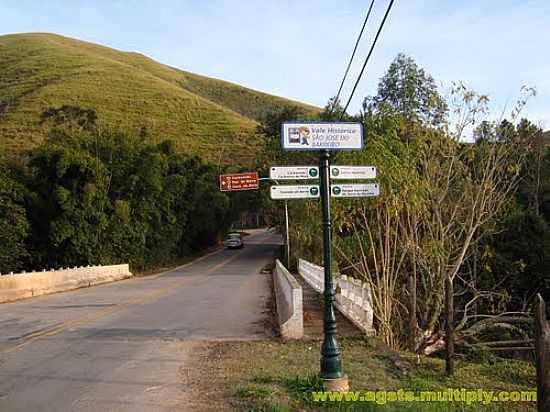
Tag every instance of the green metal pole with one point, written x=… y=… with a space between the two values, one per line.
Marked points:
x=331 y=357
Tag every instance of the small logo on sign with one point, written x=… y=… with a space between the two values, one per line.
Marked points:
x=313 y=172
x=335 y=172
x=294 y=135
x=314 y=191
x=336 y=190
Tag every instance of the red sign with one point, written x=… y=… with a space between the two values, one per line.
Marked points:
x=239 y=181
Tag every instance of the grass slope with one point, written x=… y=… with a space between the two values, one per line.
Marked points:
x=128 y=91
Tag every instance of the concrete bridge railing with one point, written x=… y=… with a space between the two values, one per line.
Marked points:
x=23 y=285
x=312 y=274
x=288 y=294
x=353 y=297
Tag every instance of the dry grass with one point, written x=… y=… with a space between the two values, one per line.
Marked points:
x=128 y=91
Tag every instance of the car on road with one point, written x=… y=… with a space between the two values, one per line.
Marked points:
x=233 y=241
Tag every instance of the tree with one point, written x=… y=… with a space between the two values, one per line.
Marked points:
x=92 y=200
x=369 y=237
x=14 y=226
x=67 y=205
x=468 y=189
x=439 y=198
x=518 y=259
x=408 y=90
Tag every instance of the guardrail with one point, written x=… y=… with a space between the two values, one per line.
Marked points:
x=353 y=297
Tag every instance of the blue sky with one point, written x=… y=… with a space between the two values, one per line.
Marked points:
x=299 y=49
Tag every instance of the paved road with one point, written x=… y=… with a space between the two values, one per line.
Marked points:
x=121 y=346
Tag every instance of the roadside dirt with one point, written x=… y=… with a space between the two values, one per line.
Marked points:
x=207 y=384
x=193 y=395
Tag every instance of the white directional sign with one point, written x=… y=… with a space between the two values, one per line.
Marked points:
x=293 y=172
x=352 y=172
x=294 y=191
x=355 y=190
x=317 y=136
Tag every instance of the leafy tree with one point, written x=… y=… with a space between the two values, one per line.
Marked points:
x=93 y=201
x=408 y=90
x=67 y=205
x=14 y=226
x=517 y=260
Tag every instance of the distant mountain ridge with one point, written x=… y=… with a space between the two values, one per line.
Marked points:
x=128 y=91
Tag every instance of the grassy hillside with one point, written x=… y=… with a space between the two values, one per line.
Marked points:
x=128 y=91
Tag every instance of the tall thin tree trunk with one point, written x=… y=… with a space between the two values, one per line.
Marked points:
x=449 y=328
x=412 y=312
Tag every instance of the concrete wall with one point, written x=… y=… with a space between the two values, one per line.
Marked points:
x=353 y=297
x=288 y=294
x=25 y=285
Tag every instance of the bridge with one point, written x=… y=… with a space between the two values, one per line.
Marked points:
x=120 y=346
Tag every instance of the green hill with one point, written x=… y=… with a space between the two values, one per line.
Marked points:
x=128 y=91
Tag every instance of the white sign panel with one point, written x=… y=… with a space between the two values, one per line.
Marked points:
x=318 y=136
x=355 y=190
x=293 y=172
x=352 y=172
x=294 y=191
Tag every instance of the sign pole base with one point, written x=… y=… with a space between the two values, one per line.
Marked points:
x=336 y=385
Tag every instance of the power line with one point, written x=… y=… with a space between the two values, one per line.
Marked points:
x=352 y=56
x=368 y=57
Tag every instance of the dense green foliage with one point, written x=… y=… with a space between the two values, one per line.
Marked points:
x=14 y=226
x=517 y=257
x=90 y=197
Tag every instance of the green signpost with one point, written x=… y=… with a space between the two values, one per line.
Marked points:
x=331 y=356
x=324 y=137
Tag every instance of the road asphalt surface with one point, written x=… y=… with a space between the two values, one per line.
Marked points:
x=121 y=346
